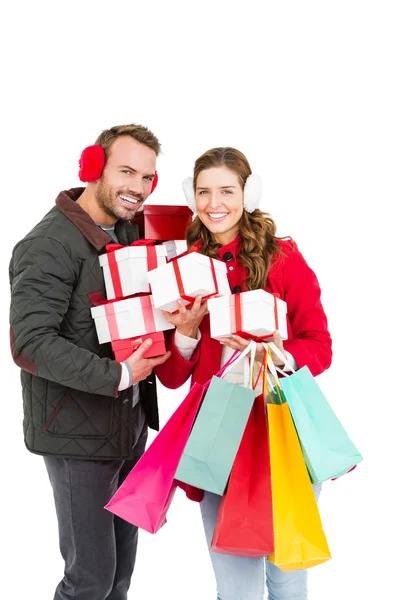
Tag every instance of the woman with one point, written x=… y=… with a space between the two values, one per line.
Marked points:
x=229 y=226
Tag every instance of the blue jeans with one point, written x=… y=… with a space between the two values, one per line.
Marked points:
x=240 y=578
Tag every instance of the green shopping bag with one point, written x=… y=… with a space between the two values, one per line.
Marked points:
x=212 y=446
x=328 y=451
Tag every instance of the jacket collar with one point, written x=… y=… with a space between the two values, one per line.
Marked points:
x=66 y=203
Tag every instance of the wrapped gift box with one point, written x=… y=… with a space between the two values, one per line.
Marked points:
x=175 y=248
x=187 y=277
x=253 y=315
x=123 y=348
x=163 y=222
x=128 y=318
x=126 y=270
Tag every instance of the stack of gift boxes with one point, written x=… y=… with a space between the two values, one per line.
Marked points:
x=129 y=316
x=153 y=273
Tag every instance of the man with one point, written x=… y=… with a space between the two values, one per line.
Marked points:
x=84 y=412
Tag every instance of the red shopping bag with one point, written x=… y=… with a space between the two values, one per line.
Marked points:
x=146 y=494
x=244 y=523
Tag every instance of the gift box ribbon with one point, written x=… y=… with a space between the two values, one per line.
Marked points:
x=147 y=310
x=152 y=261
x=189 y=251
x=235 y=303
x=179 y=281
x=134 y=343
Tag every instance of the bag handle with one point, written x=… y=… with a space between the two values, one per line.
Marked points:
x=280 y=355
x=249 y=366
x=268 y=385
x=235 y=359
x=222 y=369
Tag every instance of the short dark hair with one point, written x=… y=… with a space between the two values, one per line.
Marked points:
x=140 y=133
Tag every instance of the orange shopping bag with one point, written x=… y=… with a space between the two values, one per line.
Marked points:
x=299 y=538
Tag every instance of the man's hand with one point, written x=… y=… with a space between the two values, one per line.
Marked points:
x=142 y=367
x=187 y=320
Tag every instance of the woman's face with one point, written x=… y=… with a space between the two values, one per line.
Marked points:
x=219 y=202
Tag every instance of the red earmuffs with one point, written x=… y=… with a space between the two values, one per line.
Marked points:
x=91 y=165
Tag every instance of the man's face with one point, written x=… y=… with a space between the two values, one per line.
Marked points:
x=127 y=178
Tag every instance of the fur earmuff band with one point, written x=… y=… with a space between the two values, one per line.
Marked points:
x=91 y=165
x=252 y=193
x=187 y=185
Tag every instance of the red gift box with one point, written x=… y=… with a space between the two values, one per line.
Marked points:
x=124 y=348
x=163 y=222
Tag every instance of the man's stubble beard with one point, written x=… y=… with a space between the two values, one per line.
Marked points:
x=107 y=200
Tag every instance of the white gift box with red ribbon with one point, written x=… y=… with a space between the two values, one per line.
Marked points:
x=187 y=277
x=175 y=248
x=128 y=318
x=254 y=315
x=126 y=270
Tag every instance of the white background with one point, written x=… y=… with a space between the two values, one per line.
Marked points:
x=309 y=91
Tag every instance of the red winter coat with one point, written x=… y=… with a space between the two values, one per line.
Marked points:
x=308 y=340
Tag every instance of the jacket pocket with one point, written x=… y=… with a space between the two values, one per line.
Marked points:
x=74 y=414
x=55 y=412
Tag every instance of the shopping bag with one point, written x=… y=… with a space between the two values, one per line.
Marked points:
x=328 y=450
x=144 y=497
x=244 y=523
x=299 y=538
x=210 y=451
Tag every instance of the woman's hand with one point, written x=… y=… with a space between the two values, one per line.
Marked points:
x=187 y=320
x=238 y=343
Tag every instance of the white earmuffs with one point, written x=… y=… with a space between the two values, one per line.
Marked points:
x=251 y=194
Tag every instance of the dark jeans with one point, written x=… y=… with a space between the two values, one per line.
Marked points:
x=99 y=549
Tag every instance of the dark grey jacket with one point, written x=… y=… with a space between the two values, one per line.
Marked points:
x=72 y=406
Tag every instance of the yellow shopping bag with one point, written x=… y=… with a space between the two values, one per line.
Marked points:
x=299 y=538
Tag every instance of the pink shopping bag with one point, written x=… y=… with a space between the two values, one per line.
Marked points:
x=146 y=494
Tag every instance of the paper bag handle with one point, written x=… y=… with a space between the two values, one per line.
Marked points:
x=251 y=348
x=268 y=385
x=280 y=355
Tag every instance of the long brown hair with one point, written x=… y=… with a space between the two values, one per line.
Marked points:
x=257 y=230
